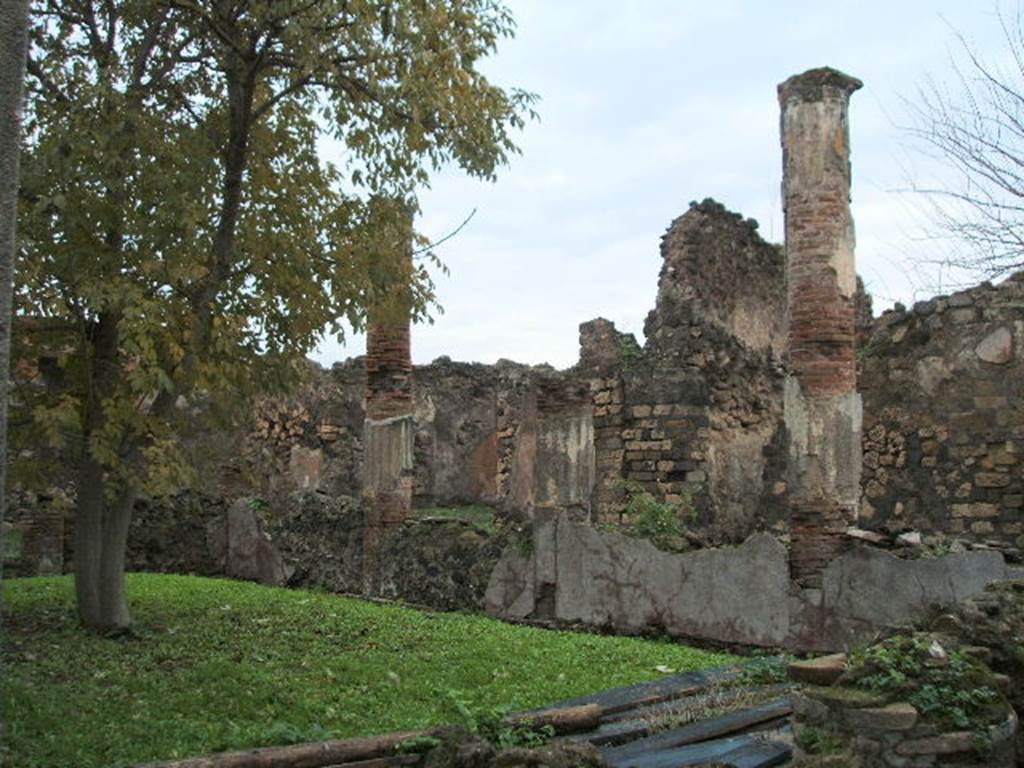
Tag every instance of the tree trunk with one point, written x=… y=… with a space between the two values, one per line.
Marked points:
x=101 y=538
x=101 y=517
x=113 y=600
x=89 y=539
x=14 y=34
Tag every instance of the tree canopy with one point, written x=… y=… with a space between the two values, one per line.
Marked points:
x=184 y=240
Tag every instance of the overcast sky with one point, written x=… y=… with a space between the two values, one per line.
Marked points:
x=645 y=106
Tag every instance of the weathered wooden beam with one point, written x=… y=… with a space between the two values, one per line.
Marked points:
x=703 y=730
x=316 y=755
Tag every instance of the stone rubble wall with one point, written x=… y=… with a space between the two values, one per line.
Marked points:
x=944 y=416
x=694 y=416
x=690 y=417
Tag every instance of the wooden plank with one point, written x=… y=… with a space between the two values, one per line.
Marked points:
x=693 y=754
x=314 y=755
x=381 y=762
x=737 y=751
x=586 y=717
x=628 y=697
x=623 y=732
x=759 y=754
x=703 y=730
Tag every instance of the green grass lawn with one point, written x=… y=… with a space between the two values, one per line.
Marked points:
x=220 y=664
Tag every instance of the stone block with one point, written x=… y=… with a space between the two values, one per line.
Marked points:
x=899 y=716
x=991 y=480
x=996 y=348
x=944 y=744
x=824 y=670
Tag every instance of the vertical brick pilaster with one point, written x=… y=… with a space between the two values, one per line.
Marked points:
x=388 y=369
x=822 y=404
x=388 y=432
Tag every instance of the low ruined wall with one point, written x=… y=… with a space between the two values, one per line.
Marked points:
x=561 y=571
x=943 y=424
x=576 y=574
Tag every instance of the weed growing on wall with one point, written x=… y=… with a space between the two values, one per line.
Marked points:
x=662 y=522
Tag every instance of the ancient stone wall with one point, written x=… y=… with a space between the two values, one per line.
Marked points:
x=717 y=268
x=694 y=416
x=944 y=416
x=477 y=433
x=33 y=534
x=311 y=439
x=689 y=417
x=456 y=446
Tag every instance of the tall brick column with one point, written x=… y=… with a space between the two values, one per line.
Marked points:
x=388 y=430
x=822 y=406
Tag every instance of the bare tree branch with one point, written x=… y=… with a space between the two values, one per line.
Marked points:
x=976 y=128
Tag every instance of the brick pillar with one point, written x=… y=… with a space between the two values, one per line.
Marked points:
x=388 y=430
x=822 y=406
x=601 y=354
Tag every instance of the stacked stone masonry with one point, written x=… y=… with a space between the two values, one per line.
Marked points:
x=696 y=413
x=944 y=416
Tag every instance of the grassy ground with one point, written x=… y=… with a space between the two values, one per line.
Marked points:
x=479 y=515
x=220 y=664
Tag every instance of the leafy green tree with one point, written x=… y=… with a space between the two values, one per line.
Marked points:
x=185 y=245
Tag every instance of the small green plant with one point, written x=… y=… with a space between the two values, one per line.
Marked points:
x=418 y=745
x=492 y=724
x=948 y=688
x=653 y=518
x=288 y=733
x=818 y=741
x=659 y=521
x=629 y=349
x=765 y=670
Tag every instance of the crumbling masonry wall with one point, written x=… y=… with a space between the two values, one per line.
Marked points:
x=691 y=416
x=943 y=390
x=731 y=409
